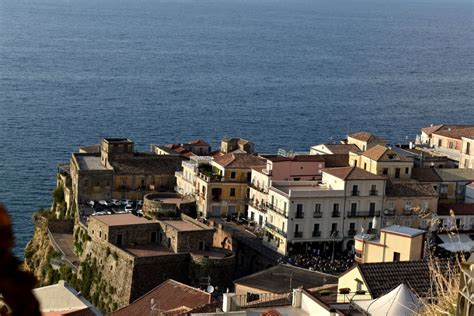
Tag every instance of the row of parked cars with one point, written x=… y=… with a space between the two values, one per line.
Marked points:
x=114 y=206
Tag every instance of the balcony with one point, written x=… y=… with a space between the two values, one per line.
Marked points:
x=336 y=214
x=363 y=214
x=299 y=215
x=373 y=192
x=316 y=234
x=355 y=193
x=216 y=198
x=351 y=232
x=407 y=212
x=258 y=188
x=317 y=214
x=389 y=212
x=210 y=177
x=275 y=229
x=298 y=234
x=258 y=206
x=276 y=209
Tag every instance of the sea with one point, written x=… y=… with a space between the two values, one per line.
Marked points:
x=282 y=73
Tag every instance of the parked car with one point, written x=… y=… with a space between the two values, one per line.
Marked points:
x=140 y=213
x=104 y=203
x=125 y=202
x=139 y=202
x=128 y=208
x=115 y=202
x=91 y=203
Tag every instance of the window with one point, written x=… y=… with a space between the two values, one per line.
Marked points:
x=232 y=175
x=316 y=232
x=407 y=170
x=365 y=166
x=468 y=149
x=333 y=229
x=358 y=285
x=232 y=192
x=317 y=210
x=385 y=171
x=451 y=145
x=440 y=143
x=396 y=256
x=299 y=211
x=352 y=226
x=369 y=230
x=397 y=173
x=355 y=190
x=119 y=239
x=371 y=208
x=353 y=208
x=153 y=237
x=335 y=210
x=201 y=245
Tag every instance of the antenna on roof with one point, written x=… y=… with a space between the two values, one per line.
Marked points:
x=210 y=289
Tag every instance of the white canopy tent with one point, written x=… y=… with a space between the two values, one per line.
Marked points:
x=457 y=243
x=401 y=301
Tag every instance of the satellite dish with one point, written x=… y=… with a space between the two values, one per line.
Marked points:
x=210 y=289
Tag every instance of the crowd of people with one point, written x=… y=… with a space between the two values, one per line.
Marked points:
x=321 y=262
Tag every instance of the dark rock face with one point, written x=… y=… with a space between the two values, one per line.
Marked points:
x=15 y=285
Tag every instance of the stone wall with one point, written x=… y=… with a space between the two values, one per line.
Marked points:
x=220 y=270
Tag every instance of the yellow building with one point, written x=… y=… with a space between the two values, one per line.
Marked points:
x=396 y=243
x=221 y=187
x=404 y=202
x=383 y=161
x=364 y=140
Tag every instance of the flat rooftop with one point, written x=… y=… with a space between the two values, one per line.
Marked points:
x=182 y=226
x=148 y=250
x=90 y=163
x=403 y=230
x=122 y=219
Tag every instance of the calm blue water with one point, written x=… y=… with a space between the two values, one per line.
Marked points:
x=284 y=73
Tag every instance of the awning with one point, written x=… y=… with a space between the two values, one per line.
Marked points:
x=401 y=301
x=456 y=242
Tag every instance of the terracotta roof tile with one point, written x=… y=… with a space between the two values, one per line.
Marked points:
x=239 y=160
x=383 y=153
x=352 y=173
x=199 y=142
x=425 y=175
x=169 y=296
x=366 y=137
x=410 y=190
x=456 y=132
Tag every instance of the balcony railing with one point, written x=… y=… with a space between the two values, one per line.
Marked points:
x=336 y=214
x=298 y=234
x=373 y=192
x=316 y=234
x=299 y=215
x=275 y=229
x=351 y=232
x=407 y=212
x=317 y=214
x=355 y=193
x=388 y=212
x=258 y=188
x=363 y=214
x=276 y=209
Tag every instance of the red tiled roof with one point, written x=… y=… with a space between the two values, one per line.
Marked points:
x=382 y=153
x=199 y=142
x=171 y=297
x=352 y=173
x=457 y=133
x=365 y=137
x=425 y=175
x=239 y=160
x=458 y=209
x=336 y=160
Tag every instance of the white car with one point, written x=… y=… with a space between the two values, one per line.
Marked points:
x=125 y=202
x=91 y=203
x=98 y=213
x=104 y=203
x=128 y=208
x=115 y=202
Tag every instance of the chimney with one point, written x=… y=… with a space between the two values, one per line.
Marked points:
x=297 y=297
x=227 y=302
